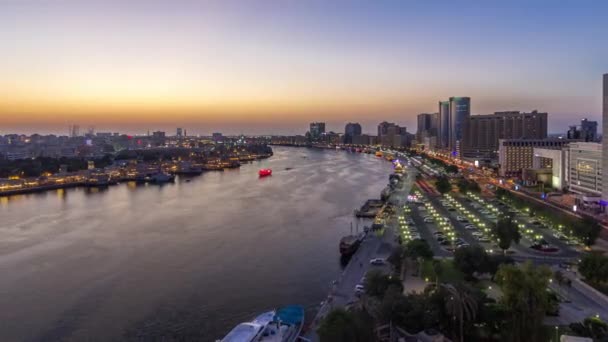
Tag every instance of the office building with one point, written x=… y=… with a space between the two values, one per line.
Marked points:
x=351 y=130
x=460 y=110
x=584 y=167
x=443 y=135
x=483 y=132
x=517 y=155
x=179 y=132
x=427 y=126
x=604 y=139
x=316 y=129
x=589 y=130
x=392 y=135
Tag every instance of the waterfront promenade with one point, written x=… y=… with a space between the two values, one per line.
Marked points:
x=376 y=245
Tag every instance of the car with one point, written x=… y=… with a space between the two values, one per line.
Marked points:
x=485 y=212
x=444 y=242
x=428 y=220
x=483 y=239
x=359 y=287
x=416 y=237
x=377 y=261
x=451 y=209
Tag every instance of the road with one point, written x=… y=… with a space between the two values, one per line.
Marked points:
x=375 y=245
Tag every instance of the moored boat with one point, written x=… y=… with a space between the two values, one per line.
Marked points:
x=282 y=325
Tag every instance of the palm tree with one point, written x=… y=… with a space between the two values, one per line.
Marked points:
x=460 y=305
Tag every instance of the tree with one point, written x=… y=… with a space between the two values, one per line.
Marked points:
x=416 y=249
x=346 y=326
x=396 y=257
x=594 y=267
x=474 y=187
x=443 y=184
x=592 y=327
x=377 y=283
x=437 y=269
x=451 y=169
x=460 y=305
x=507 y=232
x=463 y=185
x=587 y=230
x=525 y=299
x=471 y=259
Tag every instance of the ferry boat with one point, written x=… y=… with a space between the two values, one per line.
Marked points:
x=282 y=325
x=350 y=243
x=379 y=154
x=265 y=172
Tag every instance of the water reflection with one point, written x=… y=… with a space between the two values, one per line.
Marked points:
x=186 y=260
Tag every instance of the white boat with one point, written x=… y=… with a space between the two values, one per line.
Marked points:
x=282 y=325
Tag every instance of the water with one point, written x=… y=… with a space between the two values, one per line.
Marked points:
x=179 y=262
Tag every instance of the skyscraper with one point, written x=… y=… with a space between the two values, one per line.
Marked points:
x=179 y=132
x=316 y=129
x=589 y=130
x=443 y=124
x=605 y=141
x=351 y=130
x=460 y=110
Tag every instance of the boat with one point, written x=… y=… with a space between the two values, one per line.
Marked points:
x=378 y=154
x=159 y=177
x=265 y=172
x=281 y=325
x=350 y=243
x=97 y=178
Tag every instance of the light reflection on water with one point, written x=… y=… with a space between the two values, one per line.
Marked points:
x=181 y=261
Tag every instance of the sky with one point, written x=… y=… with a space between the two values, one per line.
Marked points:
x=271 y=67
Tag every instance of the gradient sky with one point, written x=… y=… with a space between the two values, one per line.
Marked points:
x=273 y=66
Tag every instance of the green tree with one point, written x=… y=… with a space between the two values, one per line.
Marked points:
x=451 y=169
x=463 y=185
x=346 y=326
x=587 y=230
x=592 y=327
x=474 y=187
x=525 y=299
x=396 y=257
x=507 y=232
x=418 y=249
x=594 y=267
x=461 y=306
x=437 y=269
x=471 y=259
x=377 y=283
x=443 y=184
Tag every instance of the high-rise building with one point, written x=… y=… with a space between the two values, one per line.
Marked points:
x=316 y=129
x=460 y=110
x=589 y=130
x=390 y=134
x=424 y=125
x=482 y=132
x=351 y=130
x=443 y=124
x=179 y=132
x=605 y=140
x=517 y=155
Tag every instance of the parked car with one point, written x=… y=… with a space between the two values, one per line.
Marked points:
x=377 y=261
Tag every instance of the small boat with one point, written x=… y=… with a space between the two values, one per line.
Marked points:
x=265 y=172
x=288 y=168
x=282 y=325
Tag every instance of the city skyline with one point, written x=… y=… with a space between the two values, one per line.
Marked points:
x=188 y=64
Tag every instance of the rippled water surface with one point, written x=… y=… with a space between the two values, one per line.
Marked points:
x=183 y=261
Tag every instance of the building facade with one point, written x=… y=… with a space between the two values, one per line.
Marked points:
x=605 y=140
x=483 y=132
x=316 y=129
x=351 y=130
x=517 y=155
x=460 y=110
x=443 y=135
x=584 y=168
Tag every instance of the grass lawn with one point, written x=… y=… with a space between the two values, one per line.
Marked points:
x=449 y=274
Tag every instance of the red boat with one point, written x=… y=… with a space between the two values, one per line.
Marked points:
x=265 y=172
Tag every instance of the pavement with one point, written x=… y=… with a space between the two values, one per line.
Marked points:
x=375 y=245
